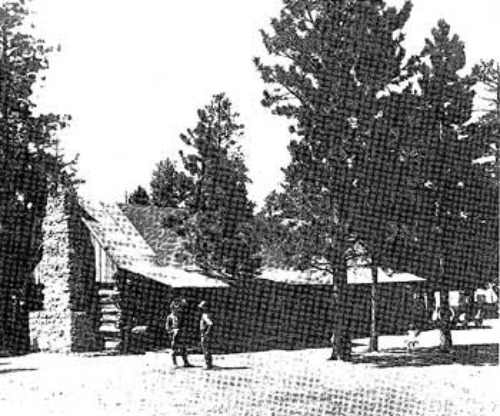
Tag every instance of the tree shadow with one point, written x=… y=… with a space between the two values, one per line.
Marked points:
x=468 y=328
x=15 y=370
x=223 y=368
x=476 y=355
x=189 y=367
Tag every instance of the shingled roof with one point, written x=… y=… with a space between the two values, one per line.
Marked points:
x=149 y=221
x=135 y=240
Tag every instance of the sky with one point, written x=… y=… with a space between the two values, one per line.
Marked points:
x=133 y=73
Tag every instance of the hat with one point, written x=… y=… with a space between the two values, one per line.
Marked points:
x=203 y=305
x=178 y=303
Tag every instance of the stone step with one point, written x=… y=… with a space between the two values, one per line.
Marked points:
x=108 y=292
x=110 y=316
x=109 y=329
x=109 y=308
x=108 y=301
x=110 y=319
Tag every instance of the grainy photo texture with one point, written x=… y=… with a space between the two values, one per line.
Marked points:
x=279 y=207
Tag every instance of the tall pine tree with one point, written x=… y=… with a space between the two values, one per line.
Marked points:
x=486 y=144
x=220 y=231
x=449 y=200
x=342 y=60
x=29 y=166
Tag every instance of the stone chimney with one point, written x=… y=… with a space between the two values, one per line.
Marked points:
x=68 y=320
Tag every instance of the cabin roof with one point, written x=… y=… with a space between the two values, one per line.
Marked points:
x=149 y=221
x=355 y=276
x=137 y=239
x=118 y=230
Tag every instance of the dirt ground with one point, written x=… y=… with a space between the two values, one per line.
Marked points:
x=302 y=382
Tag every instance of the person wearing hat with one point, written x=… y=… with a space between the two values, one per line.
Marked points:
x=206 y=325
x=176 y=329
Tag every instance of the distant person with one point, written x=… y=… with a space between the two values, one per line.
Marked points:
x=445 y=316
x=478 y=314
x=176 y=328
x=412 y=337
x=206 y=326
x=445 y=319
x=333 y=355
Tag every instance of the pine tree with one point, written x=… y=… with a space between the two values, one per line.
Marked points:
x=220 y=232
x=30 y=167
x=343 y=59
x=169 y=187
x=446 y=214
x=485 y=135
x=139 y=197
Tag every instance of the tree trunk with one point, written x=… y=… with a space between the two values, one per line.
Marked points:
x=342 y=343
x=342 y=319
x=445 y=316
x=342 y=334
x=431 y=305
x=374 y=313
x=498 y=92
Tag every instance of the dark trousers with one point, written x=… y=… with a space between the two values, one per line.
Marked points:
x=206 y=348
x=179 y=349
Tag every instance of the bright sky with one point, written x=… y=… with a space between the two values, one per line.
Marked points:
x=133 y=73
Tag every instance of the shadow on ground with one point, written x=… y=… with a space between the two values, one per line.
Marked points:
x=467 y=328
x=15 y=370
x=476 y=355
x=219 y=367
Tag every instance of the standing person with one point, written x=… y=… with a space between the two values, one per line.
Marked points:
x=206 y=325
x=445 y=316
x=176 y=328
x=334 y=355
x=411 y=340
